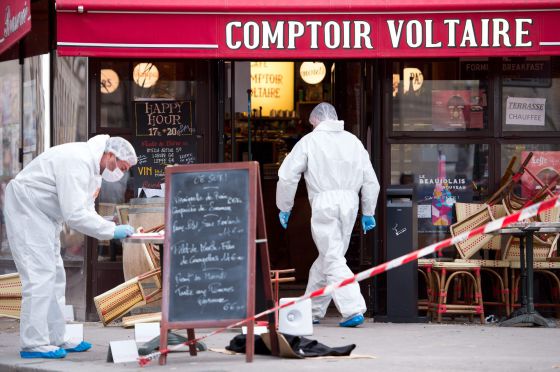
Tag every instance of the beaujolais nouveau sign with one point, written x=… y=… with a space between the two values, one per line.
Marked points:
x=16 y=22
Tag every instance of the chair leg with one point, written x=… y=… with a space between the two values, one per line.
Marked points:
x=442 y=295
x=506 y=292
x=478 y=295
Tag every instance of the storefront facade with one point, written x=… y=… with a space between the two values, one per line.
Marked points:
x=435 y=91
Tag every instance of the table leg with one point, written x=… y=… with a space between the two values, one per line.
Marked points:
x=527 y=314
x=523 y=271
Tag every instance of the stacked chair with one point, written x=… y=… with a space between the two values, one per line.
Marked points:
x=455 y=287
x=136 y=292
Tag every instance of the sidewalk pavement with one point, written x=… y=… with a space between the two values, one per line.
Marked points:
x=396 y=347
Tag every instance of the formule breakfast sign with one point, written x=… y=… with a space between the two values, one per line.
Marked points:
x=312 y=35
x=16 y=22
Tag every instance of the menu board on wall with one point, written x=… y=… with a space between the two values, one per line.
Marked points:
x=164 y=136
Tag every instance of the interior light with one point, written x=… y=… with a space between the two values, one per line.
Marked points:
x=145 y=74
x=312 y=72
x=109 y=80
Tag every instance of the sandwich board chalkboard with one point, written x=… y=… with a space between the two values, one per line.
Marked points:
x=215 y=262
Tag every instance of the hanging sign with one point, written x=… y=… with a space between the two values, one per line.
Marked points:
x=525 y=111
x=15 y=19
x=164 y=137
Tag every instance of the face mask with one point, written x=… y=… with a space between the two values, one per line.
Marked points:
x=112 y=175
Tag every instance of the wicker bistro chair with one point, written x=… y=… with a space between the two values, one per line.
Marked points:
x=466 y=299
x=129 y=295
x=497 y=269
x=276 y=277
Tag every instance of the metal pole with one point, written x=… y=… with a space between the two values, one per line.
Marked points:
x=250 y=154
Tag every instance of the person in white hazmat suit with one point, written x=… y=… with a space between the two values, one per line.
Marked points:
x=58 y=186
x=336 y=167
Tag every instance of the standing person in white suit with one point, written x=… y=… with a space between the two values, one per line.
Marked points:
x=59 y=186
x=336 y=168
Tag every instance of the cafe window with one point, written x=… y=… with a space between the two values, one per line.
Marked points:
x=530 y=94
x=544 y=164
x=440 y=95
x=122 y=82
x=442 y=174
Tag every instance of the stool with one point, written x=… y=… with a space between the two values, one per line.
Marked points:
x=276 y=280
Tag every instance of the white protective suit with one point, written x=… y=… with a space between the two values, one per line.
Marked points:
x=58 y=186
x=336 y=167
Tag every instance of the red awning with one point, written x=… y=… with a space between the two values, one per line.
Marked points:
x=312 y=29
x=15 y=19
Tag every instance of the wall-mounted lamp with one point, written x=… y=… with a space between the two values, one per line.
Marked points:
x=145 y=74
x=312 y=72
x=109 y=80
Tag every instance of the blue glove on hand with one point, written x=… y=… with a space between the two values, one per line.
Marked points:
x=284 y=217
x=368 y=223
x=122 y=231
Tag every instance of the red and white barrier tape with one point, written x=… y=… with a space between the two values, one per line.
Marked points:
x=523 y=214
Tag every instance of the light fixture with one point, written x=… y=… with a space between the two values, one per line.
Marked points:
x=312 y=72
x=145 y=74
x=109 y=80
x=413 y=79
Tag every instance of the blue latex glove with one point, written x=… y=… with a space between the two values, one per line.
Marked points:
x=122 y=231
x=284 y=217
x=368 y=223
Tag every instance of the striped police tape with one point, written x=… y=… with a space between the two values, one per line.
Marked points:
x=500 y=223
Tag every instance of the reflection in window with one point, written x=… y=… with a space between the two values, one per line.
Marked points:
x=545 y=164
x=122 y=82
x=442 y=174
x=530 y=92
x=440 y=96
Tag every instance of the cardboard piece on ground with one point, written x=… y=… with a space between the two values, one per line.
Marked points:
x=75 y=332
x=144 y=332
x=285 y=348
x=122 y=351
x=355 y=356
x=69 y=313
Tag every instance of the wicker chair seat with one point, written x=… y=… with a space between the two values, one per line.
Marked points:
x=486 y=263
x=10 y=285
x=455 y=265
x=10 y=307
x=537 y=265
x=469 y=247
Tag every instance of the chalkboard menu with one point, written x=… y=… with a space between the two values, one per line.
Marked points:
x=164 y=136
x=216 y=268
x=208 y=223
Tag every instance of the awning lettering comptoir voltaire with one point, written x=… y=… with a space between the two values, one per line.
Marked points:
x=15 y=16
x=312 y=29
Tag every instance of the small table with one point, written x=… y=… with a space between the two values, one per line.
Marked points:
x=525 y=232
x=136 y=238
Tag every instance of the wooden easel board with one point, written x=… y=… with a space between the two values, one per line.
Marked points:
x=210 y=263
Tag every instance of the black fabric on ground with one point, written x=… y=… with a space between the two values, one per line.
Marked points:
x=300 y=345
x=237 y=344
x=313 y=348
